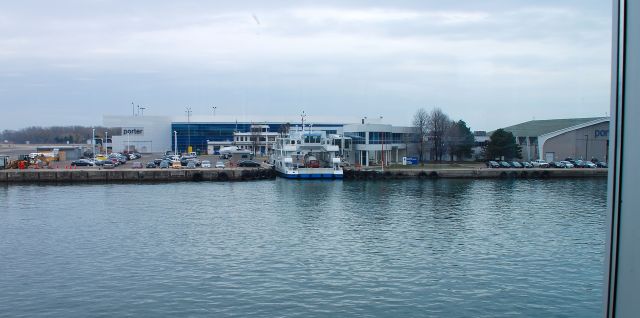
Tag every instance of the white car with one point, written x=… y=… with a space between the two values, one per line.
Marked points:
x=206 y=164
x=539 y=164
x=219 y=164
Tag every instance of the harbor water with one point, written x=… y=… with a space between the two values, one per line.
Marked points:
x=405 y=248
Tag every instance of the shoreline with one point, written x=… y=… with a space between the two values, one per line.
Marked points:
x=247 y=174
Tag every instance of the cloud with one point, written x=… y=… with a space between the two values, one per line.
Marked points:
x=349 y=51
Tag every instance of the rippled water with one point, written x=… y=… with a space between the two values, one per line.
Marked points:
x=445 y=248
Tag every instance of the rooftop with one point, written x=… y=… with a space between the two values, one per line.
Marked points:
x=534 y=128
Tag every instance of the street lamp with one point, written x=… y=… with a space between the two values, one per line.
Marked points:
x=175 y=142
x=188 y=111
x=106 y=143
x=93 y=143
x=142 y=111
x=214 y=112
x=586 y=147
x=303 y=116
x=133 y=109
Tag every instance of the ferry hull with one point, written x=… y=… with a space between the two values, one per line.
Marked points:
x=310 y=175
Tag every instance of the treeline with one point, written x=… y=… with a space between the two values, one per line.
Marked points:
x=440 y=136
x=55 y=134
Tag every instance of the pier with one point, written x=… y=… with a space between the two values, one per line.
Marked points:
x=133 y=175
x=247 y=174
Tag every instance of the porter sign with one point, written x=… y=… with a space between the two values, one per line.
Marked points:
x=133 y=131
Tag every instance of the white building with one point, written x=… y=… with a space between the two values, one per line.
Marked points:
x=143 y=134
x=373 y=141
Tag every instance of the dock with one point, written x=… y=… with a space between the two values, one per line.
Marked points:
x=35 y=176
x=475 y=173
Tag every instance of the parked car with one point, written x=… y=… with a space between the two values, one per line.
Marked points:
x=580 y=164
x=540 y=164
x=527 y=165
x=557 y=164
x=101 y=162
x=151 y=165
x=601 y=164
x=82 y=163
x=568 y=164
x=136 y=165
x=589 y=164
x=248 y=163
x=492 y=164
x=157 y=161
x=108 y=164
x=219 y=164
x=515 y=164
x=191 y=165
x=504 y=164
x=164 y=164
x=206 y=164
x=176 y=165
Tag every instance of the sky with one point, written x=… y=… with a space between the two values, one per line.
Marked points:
x=490 y=63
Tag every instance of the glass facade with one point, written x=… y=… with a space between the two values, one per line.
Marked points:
x=200 y=133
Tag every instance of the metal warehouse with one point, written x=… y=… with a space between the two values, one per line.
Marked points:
x=557 y=139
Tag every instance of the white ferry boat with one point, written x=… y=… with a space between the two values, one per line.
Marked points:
x=306 y=155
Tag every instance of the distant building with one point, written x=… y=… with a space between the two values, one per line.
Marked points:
x=143 y=134
x=557 y=139
x=480 y=140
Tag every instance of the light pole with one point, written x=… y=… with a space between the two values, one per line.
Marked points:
x=142 y=111
x=382 y=146
x=93 y=143
x=175 y=142
x=133 y=110
x=128 y=142
x=586 y=147
x=188 y=111
x=303 y=115
x=106 y=143
x=214 y=112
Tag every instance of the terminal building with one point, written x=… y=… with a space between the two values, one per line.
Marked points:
x=557 y=139
x=364 y=143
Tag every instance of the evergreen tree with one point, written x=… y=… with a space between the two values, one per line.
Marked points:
x=503 y=144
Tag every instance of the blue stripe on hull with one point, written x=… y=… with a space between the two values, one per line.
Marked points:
x=310 y=176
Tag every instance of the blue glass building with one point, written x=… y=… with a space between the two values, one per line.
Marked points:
x=197 y=134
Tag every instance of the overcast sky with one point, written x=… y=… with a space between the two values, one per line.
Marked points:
x=490 y=63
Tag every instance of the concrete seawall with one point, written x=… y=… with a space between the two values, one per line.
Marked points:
x=476 y=173
x=245 y=174
x=133 y=175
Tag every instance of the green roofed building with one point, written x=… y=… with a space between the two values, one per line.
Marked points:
x=557 y=139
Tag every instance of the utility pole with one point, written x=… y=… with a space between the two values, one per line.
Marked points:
x=188 y=111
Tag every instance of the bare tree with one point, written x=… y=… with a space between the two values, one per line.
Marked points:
x=284 y=129
x=420 y=122
x=255 y=138
x=438 y=124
